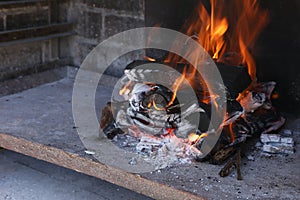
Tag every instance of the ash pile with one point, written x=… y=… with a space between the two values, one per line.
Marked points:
x=152 y=113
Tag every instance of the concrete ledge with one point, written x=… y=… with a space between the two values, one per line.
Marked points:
x=87 y=166
x=50 y=135
x=39 y=123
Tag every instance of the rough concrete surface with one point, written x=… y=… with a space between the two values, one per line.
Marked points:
x=42 y=115
x=26 y=178
x=39 y=123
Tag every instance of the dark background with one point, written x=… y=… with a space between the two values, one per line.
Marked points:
x=276 y=51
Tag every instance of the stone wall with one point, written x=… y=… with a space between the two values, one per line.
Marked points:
x=96 y=20
x=20 y=57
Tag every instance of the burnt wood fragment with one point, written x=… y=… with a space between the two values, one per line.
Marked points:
x=236 y=78
x=107 y=122
x=222 y=155
x=106 y=116
x=234 y=162
x=238 y=125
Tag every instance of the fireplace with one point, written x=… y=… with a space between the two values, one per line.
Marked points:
x=275 y=51
x=229 y=38
x=40 y=122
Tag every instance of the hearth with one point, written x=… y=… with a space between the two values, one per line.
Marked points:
x=275 y=51
x=151 y=120
x=159 y=135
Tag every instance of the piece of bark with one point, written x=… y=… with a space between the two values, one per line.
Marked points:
x=107 y=123
x=106 y=116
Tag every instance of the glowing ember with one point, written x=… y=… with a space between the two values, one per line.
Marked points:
x=166 y=151
x=163 y=127
x=193 y=138
x=149 y=59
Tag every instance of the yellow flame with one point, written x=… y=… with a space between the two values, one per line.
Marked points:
x=149 y=59
x=176 y=86
x=230 y=26
x=125 y=89
x=156 y=107
x=194 y=138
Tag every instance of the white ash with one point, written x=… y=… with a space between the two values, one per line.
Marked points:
x=125 y=141
x=258 y=145
x=133 y=161
x=265 y=138
x=287 y=132
x=160 y=151
x=276 y=138
x=277 y=144
x=167 y=151
x=89 y=152
x=278 y=148
x=250 y=158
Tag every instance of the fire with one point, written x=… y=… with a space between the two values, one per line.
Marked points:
x=176 y=86
x=193 y=138
x=125 y=89
x=170 y=132
x=149 y=59
x=211 y=29
x=229 y=26
x=231 y=132
x=275 y=95
x=226 y=27
x=156 y=107
x=217 y=37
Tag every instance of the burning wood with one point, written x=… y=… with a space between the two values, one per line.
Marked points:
x=166 y=135
x=163 y=126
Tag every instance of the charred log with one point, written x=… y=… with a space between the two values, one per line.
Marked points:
x=108 y=123
x=249 y=125
x=234 y=162
x=147 y=109
x=236 y=78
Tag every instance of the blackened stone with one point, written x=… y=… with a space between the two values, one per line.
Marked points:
x=82 y=51
x=63 y=11
x=129 y=5
x=1 y=24
x=90 y=25
x=24 y=20
x=27 y=55
x=115 y=24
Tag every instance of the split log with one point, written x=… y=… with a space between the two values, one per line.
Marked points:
x=235 y=78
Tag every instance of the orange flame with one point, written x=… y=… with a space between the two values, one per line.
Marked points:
x=230 y=26
x=176 y=86
x=231 y=132
x=194 y=138
x=155 y=106
x=275 y=95
x=212 y=30
x=125 y=89
x=149 y=59
x=251 y=22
